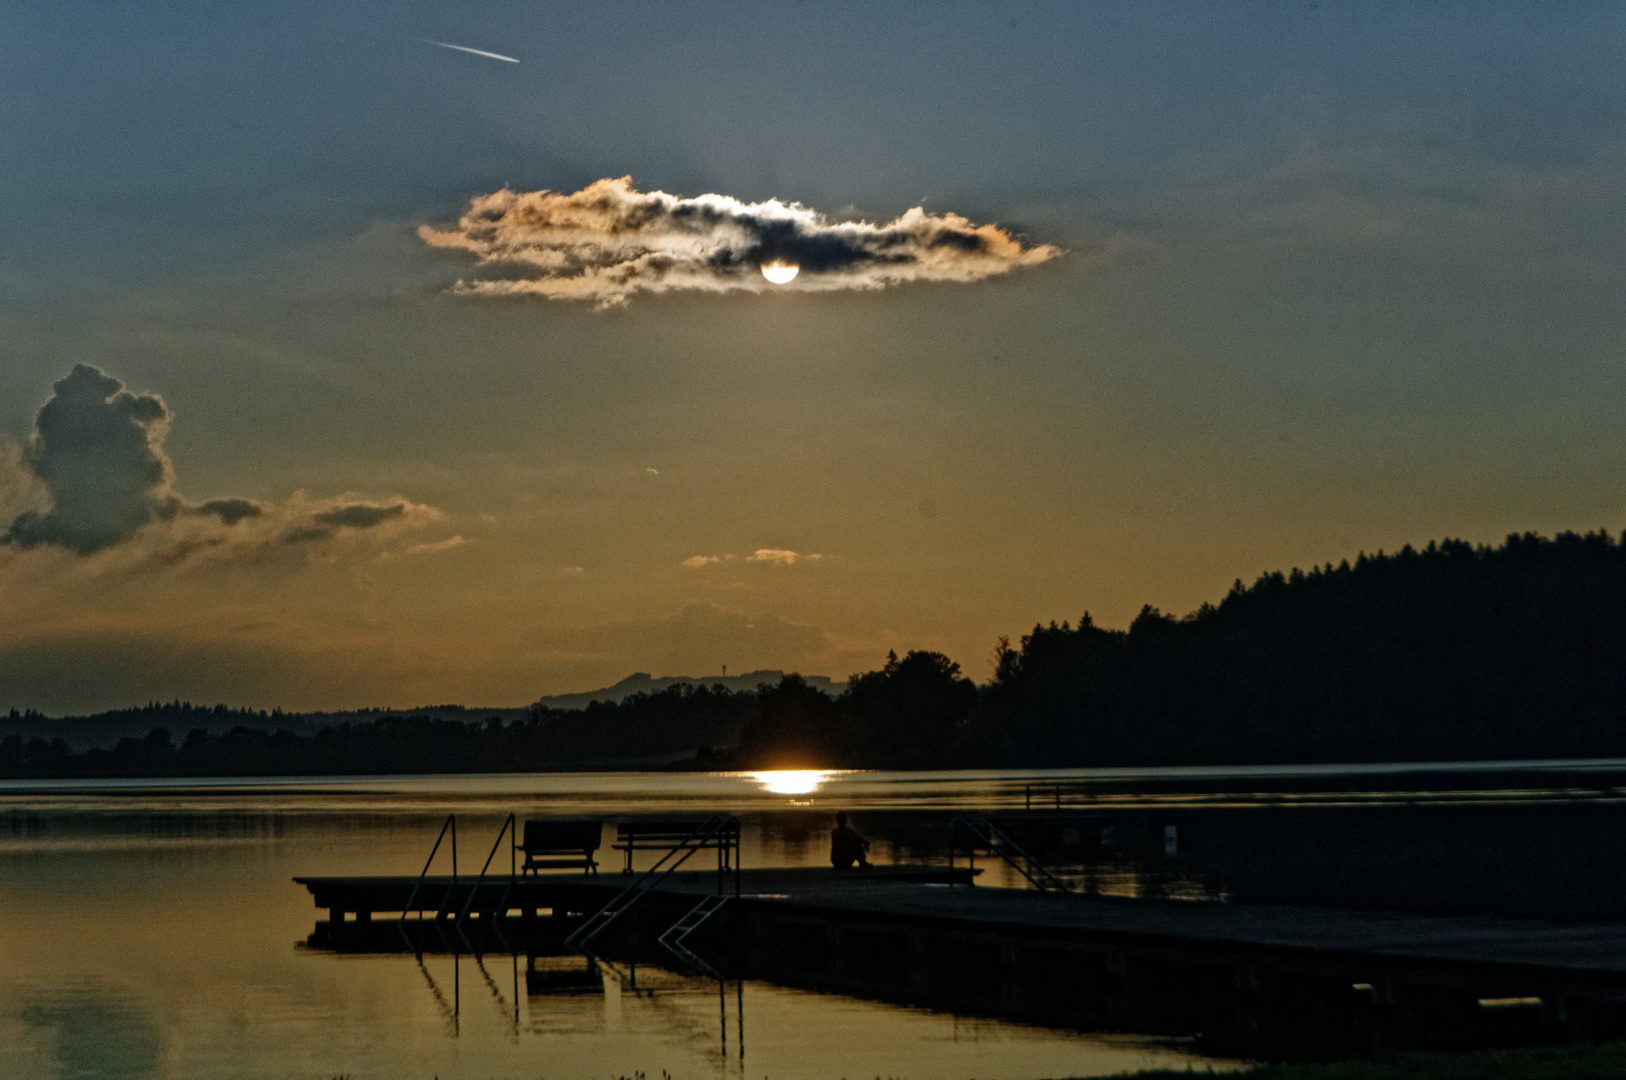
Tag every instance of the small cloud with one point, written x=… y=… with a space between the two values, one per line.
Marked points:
x=438 y=546
x=230 y=511
x=780 y=557
x=652 y=472
x=574 y=571
x=609 y=241
x=360 y=515
x=698 y=562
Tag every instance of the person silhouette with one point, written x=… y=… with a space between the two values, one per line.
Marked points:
x=846 y=846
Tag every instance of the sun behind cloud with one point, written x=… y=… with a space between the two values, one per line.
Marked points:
x=610 y=241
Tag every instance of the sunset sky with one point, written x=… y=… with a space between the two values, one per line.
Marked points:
x=1193 y=292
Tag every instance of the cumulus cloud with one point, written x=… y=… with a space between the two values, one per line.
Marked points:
x=97 y=449
x=609 y=241
x=700 y=562
x=96 y=469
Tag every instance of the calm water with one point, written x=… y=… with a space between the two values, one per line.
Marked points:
x=152 y=930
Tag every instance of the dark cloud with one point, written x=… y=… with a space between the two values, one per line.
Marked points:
x=98 y=451
x=230 y=511
x=609 y=241
x=96 y=459
x=360 y=515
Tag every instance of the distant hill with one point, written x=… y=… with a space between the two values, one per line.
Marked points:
x=180 y=717
x=644 y=683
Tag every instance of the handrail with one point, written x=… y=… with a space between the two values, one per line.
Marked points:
x=474 y=890
x=998 y=841
x=1028 y=790
x=451 y=823
x=652 y=877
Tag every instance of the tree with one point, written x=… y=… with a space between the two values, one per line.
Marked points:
x=911 y=712
x=794 y=726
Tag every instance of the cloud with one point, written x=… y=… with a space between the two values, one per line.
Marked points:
x=780 y=557
x=609 y=241
x=435 y=548
x=771 y=556
x=231 y=511
x=359 y=515
x=97 y=449
x=96 y=471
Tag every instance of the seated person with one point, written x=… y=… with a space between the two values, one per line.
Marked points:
x=846 y=846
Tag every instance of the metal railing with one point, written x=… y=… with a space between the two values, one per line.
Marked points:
x=507 y=829
x=718 y=831
x=987 y=836
x=451 y=825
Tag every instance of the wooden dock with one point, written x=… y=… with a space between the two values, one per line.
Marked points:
x=1573 y=957
x=1256 y=980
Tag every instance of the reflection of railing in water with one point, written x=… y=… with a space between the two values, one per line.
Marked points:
x=543 y=983
x=721 y=832
x=455 y=1007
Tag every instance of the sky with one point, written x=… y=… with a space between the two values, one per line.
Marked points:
x=339 y=368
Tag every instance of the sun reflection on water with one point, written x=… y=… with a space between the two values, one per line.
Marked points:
x=792 y=781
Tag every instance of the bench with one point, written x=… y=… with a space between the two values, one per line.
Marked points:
x=561 y=844
x=663 y=836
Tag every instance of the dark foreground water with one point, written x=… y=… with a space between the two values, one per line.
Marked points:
x=152 y=930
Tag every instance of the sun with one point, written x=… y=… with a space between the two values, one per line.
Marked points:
x=792 y=781
x=780 y=272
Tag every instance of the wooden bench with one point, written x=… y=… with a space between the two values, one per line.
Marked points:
x=561 y=844
x=663 y=836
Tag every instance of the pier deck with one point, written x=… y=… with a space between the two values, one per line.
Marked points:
x=1544 y=955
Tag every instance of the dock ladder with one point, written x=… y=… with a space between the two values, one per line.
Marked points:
x=678 y=932
x=716 y=831
x=973 y=834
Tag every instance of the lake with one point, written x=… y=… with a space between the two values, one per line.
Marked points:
x=153 y=931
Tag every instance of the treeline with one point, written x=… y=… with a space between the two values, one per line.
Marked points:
x=645 y=728
x=1449 y=652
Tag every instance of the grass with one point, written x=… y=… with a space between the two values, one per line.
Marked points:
x=1544 y=1063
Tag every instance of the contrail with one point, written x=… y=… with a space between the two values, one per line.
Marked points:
x=465 y=48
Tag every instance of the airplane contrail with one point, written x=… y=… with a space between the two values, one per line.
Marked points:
x=465 y=48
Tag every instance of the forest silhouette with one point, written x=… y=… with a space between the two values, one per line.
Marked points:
x=1451 y=652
